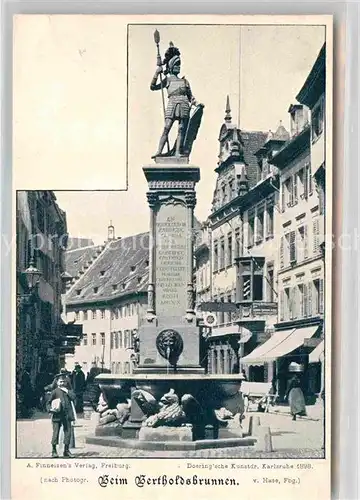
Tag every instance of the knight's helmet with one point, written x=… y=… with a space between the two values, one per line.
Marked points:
x=171 y=55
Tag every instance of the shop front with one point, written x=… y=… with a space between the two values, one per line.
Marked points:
x=273 y=360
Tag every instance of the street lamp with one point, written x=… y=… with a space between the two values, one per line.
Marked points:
x=32 y=275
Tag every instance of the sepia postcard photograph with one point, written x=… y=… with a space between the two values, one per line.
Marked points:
x=172 y=283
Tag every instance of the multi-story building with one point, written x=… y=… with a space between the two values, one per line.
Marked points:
x=312 y=95
x=298 y=224
x=41 y=244
x=239 y=247
x=108 y=297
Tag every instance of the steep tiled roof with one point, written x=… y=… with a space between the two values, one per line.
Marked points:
x=75 y=243
x=252 y=142
x=121 y=268
x=77 y=260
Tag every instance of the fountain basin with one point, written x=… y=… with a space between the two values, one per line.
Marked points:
x=212 y=391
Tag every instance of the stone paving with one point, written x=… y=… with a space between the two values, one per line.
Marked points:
x=302 y=438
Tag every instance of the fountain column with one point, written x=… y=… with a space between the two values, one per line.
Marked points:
x=169 y=336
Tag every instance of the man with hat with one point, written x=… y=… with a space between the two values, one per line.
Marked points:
x=78 y=384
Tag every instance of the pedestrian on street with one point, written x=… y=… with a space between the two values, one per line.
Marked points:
x=79 y=384
x=296 y=397
x=27 y=392
x=63 y=415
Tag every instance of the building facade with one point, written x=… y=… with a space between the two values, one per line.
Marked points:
x=41 y=243
x=108 y=297
x=238 y=251
x=299 y=224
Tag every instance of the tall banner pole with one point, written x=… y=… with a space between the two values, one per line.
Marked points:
x=159 y=63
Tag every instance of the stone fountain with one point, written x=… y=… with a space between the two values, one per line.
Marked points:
x=169 y=402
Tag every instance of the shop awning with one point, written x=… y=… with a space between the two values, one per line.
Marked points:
x=315 y=355
x=279 y=345
x=244 y=333
x=225 y=330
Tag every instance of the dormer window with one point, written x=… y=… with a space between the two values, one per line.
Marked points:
x=114 y=287
x=102 y=273
x=147 y=263
x=231 y=189
x=78 y=292
x=317 y=120
x=139 y=280
x=96 y=289
x=223 y=192
x=132 y=268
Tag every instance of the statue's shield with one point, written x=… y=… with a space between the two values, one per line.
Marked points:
x=192 y=129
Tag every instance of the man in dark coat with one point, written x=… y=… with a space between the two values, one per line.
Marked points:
x=64 y=416
x=79 y=384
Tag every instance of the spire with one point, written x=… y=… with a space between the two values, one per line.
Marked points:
x=227 y=110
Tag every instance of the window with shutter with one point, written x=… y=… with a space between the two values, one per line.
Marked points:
x=321 y=296
x=216 y=256
x=293 y=304
x=292 y=243
x=291 y=192
x=310 y=180
x=281 y=305
x=306 y=182
x=305 y=299
x=316 y=237
x=282 y=263
x=295 y=190
x=305 y=242
x=310 y=293
x=287 y=304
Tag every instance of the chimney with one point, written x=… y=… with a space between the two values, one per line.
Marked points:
x=298 y=118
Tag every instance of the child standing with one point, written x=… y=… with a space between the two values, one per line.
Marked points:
x=63 y=415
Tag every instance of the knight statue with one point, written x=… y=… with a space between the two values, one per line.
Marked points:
x=180 y=103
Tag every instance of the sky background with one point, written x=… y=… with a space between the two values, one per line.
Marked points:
x=262 y=68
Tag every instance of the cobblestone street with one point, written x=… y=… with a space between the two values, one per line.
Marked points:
x=302 y=438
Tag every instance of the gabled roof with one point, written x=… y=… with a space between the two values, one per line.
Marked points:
x=121 y=269
x=314 y=84
x=76 y=260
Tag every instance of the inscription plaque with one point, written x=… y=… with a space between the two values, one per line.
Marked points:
x=171 y=259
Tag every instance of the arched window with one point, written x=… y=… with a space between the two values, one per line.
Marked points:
x=116 y=340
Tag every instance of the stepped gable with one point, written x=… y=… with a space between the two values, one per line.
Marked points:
x=252 y=143
x=76 y=260
x=121 y=268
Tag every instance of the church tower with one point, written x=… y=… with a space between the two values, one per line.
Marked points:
x=111 y=232
x=232 y=178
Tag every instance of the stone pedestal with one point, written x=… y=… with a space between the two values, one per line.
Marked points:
x=166 y=434
x=169 y=337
